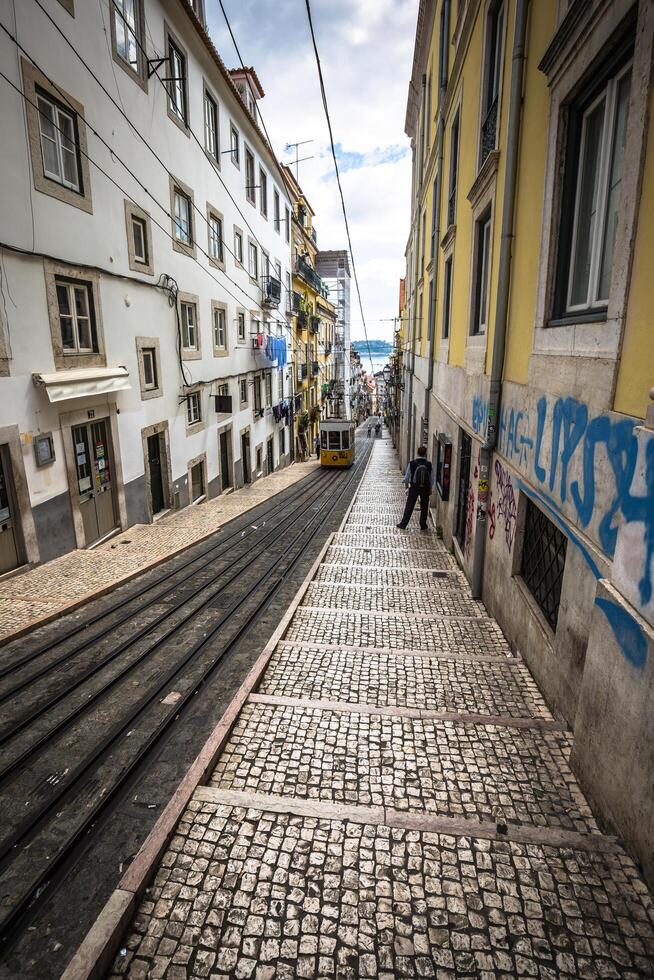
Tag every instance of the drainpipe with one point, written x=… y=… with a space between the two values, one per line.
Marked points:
x=502 y=299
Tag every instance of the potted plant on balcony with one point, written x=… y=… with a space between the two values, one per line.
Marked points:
x=314 y=415
x=303 y=422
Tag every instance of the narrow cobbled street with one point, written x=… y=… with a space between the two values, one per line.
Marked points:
x=394 y=800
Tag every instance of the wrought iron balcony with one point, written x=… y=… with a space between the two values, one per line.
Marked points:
x=314 y=323
x=309 y=275
x=488 y=132
x=297 y=302
x=302 y=319
x=302 y=371
x=315 y=369
x=272 y=292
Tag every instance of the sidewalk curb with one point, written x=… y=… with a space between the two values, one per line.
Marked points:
x=97 y=950
x=105 y=590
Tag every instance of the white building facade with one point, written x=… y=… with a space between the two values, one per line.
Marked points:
x=144 y=230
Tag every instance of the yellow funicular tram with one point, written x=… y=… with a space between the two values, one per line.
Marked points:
x=336 y=442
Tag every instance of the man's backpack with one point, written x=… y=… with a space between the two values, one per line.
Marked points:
x=421 y=477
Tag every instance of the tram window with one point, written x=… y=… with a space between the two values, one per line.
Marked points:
x=346 y=440
x=334 y=440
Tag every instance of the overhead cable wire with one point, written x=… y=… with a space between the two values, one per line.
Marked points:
x=338 y=176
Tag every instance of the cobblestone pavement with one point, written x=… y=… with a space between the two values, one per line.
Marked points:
x=28 y=598
x=394 y=800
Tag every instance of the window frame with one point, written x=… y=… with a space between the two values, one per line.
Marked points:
x=235 y=145
x=210 y=102
x=143 y=345
x=238 y=248
x=253 y=253
x=189 y=352
x=215 y=216
x=448 y=275
x=453 y=181
x=483 y=232
x=287 y=223
x=218 y=310
x=138 y=74
x=193 y=464
x=55 y=271
x=495 y=23
x=241 y=334
x=250 y=188
x=176 y=83
x=192 y=417
x=33 y=81
x=277 y=212
x=180 y=190
x=241 y=383
x=134 y=213
x=263 y=192
x=71 y=286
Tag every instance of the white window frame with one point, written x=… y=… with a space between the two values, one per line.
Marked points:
x=150 y=354
x=235 y=145
x=269 y=388
x=142 y=258
x=60 y=117
x=277 y=214
x=189 y=329
x=178 y=219
x=243 y=391
x=177 y=84
x=240 y=326
x=263 y=192
x=122 y=31
x=287 y=223
x=609 y=95
x=216 y=246
x=482 y=277
x=220 y=328
x=211 y=123
x=71 y=288
x=250 y=178
x=193 y=408
x=253 y=260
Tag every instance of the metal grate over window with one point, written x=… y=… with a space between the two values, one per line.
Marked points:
x=543 y=561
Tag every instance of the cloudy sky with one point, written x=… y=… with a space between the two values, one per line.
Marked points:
x=366 y=48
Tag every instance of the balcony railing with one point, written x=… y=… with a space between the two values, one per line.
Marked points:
x=302 y=320
x=314 y=323
x=297 y=302
x=488 y=132
x=272 y=292
x=308 y=274
x=315 y=369
x=328 y=349
x=302 y=372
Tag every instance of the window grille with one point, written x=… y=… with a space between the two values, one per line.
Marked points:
x=543 y=562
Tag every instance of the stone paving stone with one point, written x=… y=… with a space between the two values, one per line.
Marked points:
x=449 y=580
x=392 y=599
x=389 y=557
x=386 y=540
x=244 y=893
x=383 y=630
x=474 y=771
x=411 y=682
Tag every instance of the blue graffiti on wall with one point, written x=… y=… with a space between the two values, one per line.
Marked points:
x=479 y=414
x=514 y=440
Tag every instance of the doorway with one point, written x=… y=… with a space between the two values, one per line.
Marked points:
x=462 y=488
x=11 y=550
x=245 y=456
x=94 y=468
x=157 y=493
x=224 y=442
x=270 y=455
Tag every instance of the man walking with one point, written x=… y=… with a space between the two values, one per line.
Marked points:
x=419 y=479
x=316 y=446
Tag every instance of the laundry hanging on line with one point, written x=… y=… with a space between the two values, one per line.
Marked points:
x=275 y=350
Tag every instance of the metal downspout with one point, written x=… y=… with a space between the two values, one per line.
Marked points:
x=504 y=282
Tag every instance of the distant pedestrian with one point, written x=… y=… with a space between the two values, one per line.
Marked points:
x=316 y=446
x=369 y=428
x=419 y=480
x=378 y=430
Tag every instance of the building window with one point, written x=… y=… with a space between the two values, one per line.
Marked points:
x=220 y=328
x=150 y=380
x=189 y=316
x=454 y=168
x=127 y=33
x=59 y=143
x=243 y=391
x=491 y=80
x=193 y=408
x=543 y=561
x=269 y=396
x=259 y=460
x=215 y=237
x=183 y=222
x=253 y=261
x=198 y=9
x=240 y=322
x=76 y=317
x=597 y=159
x=289 y=294
x=238 y=246
x=257 y=394
x=263 y=192
x=287 y=224
x=447 y=297
x=140 y=240
x=211 y=143
x=197 y=483
x=482 y=272
x=265 y=265
x=235 y=145
x=176 y=82
x=434 y=217
x=276 y=211
x=444 y=44
x=250 y=188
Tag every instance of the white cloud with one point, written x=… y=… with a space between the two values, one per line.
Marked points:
x=365 y=49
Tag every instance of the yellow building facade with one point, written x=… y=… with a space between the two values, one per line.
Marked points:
x=529 y=352
x=313 y=318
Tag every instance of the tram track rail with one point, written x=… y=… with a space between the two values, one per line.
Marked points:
x=39 y=850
